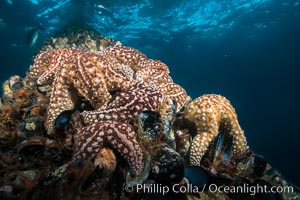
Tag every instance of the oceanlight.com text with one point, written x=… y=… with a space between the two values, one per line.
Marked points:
x=213 y=188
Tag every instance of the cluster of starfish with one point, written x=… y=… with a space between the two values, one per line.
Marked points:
x=94 y=75
x=120 y=83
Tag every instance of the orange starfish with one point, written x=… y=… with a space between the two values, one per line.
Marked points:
x=213 y=114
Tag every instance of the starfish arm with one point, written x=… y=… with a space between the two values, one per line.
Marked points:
x=199 y=147
x=126 y=104
x=88 y=79
x=120 y=136
x=125 y=55
x=117 y=75
x=151 y=65
x=239 y=143
x=53 y=60
x=230 y=125
x=174 y=92
x=159 y=78
x=62 y=98
x=153 y=75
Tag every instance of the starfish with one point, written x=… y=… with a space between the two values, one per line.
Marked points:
x=213 y=114
x=90 y=140
x=127 y=105
x=94 y=75
x=156 y=73
x=127 y=55
x=175 y=92
x=153 y=72
x=74 y=72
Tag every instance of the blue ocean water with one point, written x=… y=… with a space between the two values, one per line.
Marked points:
x=248 y=51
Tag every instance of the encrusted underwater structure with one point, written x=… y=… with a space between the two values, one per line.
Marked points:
x=94 y=119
